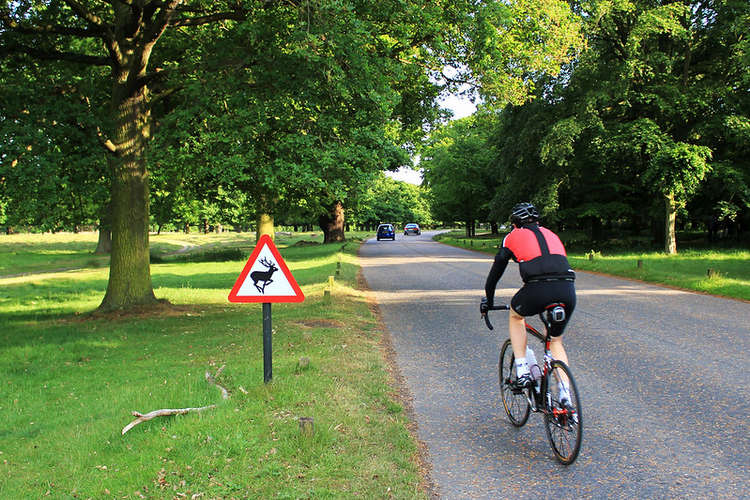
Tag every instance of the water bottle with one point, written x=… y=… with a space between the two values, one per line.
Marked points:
x=536 y=371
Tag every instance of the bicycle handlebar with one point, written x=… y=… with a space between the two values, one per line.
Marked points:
x=499 y=307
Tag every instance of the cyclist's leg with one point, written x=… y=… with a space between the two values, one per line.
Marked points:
x=522 y=304
x=557 y=349
x=558 y=352
x=565 y=293
x=517 y=331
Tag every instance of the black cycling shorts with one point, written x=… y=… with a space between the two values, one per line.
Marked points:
x=533 y=297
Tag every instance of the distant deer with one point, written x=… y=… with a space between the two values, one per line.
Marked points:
x=264 y=276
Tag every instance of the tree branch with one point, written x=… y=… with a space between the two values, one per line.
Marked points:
x=218 y=16
x=212 y=380
x=54 y=55
x=14 y=25
x=178 y=411
x=162 y=413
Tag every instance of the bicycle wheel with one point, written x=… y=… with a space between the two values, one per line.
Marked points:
x=563 y=422
x=515 y=402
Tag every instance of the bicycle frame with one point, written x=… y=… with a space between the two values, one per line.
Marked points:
x=536 y=404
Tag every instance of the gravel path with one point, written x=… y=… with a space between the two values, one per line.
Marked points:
x=665 y=392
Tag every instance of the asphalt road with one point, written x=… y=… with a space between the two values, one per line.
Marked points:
x=663 y=376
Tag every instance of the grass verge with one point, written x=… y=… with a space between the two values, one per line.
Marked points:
x=689 y=269
x=27 y=253
x=71 y=380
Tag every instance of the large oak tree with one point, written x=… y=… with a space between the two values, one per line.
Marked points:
x=121 y=35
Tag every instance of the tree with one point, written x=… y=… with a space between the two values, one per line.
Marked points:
x=320 y=97
x=630 y=120
x=390 y=201
x=50 y=178
x=456 y=166
x=121 y=35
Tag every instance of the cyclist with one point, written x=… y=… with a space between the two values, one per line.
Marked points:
x=547 y=278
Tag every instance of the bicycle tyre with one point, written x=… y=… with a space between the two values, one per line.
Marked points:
x=516 y=405
x=564 y=431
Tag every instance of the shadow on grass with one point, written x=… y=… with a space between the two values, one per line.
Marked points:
x=54 y=323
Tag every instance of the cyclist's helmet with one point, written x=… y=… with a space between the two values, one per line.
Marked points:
x=524 y=213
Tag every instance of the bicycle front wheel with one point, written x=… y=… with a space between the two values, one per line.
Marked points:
x=514 y=400
x=563 y=417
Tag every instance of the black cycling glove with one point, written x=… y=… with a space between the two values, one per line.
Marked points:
x=484 y=306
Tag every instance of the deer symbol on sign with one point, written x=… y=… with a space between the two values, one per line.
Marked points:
x=264 y=276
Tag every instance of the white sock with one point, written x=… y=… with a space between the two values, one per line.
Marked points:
x=522 y=367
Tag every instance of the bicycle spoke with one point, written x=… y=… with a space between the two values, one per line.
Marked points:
x=516 y=406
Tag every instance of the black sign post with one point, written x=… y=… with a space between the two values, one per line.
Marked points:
x=267 y=338
x=252 y=285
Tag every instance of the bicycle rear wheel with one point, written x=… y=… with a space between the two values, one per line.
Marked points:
x=515 y=402
x=563 y=421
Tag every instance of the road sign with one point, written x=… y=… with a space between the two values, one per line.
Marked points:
x=265 y=277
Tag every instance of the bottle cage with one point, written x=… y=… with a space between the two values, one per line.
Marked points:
x=556 y=314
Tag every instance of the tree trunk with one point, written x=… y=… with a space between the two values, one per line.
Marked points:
x=104 y=245
x=129 y=270
x=670 y=237
x=494 y=228
x=265 y=226
x=332 y=224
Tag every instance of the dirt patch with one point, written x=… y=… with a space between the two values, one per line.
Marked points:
x=161 y=309
x=304 y=243
x=319 y=323
x=401 y=393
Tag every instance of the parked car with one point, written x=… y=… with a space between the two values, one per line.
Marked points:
x=386 y=231
x=412 y=228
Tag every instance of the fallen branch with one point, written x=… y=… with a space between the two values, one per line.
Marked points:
x=177 y=411
x=161 y=413
x=212 y=380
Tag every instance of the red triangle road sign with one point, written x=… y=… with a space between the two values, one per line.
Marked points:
x=265 y=277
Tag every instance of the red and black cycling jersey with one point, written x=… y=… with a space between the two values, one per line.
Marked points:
x=540 y=255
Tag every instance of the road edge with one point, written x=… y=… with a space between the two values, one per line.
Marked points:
x=401 y=391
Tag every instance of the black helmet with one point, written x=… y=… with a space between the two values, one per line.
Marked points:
x=524 y=213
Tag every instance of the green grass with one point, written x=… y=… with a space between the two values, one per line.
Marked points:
x=688 y=269
x=24 y=253
x=37 y=253
x=70 y=381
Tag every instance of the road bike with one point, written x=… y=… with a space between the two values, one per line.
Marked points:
x=563 y=420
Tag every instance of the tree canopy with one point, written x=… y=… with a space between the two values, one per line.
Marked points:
x=647 y=125
x=282 y=101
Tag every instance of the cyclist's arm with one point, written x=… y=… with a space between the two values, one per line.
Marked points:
x=498 y=268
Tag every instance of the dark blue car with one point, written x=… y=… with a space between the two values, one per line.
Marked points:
x=385 y=232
